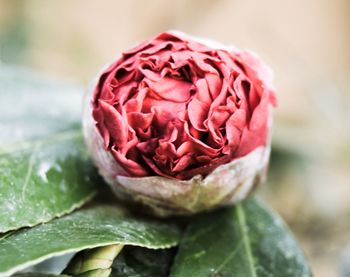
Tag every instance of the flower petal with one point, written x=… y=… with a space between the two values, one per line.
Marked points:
x=197 y=113
x=115 y=124
x=170 y=89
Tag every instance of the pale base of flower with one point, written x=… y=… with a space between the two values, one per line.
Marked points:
x=227 y=184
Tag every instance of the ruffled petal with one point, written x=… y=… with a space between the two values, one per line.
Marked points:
x=116 y=125
x=130 y=166
x=197 y=113
x=176 y=108
x=170 y=89
x=140 y=120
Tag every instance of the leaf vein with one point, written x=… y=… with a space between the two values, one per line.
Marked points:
x=246 y=240
x=29 y=171
x=229 y=257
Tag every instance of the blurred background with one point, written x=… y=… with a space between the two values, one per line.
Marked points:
x=305 y=42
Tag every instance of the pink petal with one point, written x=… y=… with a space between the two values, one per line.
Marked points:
x=140 y=120
x=183 y=163
x=170 y=89
x=256 y=134
x=205 y=169
x=203 y=91
x=164 y=112
x=199 y=146
x=130 y=166
x=115 y=123
x=197 y=113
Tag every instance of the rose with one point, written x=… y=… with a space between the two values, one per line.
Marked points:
x=181 y=126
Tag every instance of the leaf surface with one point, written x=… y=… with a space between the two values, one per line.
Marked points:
x=37 y=274
x=88 y=228
x=247 y=240
x=44 y=168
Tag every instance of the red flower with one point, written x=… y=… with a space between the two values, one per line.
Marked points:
x=181 y=126
x=177 y=108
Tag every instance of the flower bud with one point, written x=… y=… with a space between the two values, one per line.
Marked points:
x=181 y=125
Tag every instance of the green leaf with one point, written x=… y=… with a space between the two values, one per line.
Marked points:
x=37 y=274
x=245 y=240
x=44 y=168
x=142 y=262
x=89 y=228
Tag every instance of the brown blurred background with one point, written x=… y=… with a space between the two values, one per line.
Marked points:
x=306 y=43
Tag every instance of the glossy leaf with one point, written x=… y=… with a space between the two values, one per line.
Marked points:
x=142 y=262
x=89 y=228
x=38 y=274
x=246 y=240
x=44 y=168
